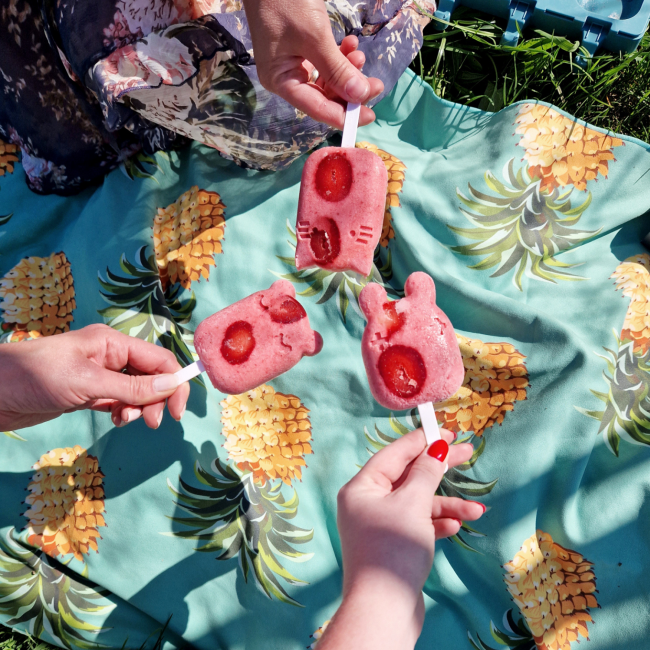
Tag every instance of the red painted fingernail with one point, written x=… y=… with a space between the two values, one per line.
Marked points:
x=438 y=450
x=480 y=504
x=455 y=436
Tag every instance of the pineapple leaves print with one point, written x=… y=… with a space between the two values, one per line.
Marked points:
x=514 y=635
x=14 y=436
x=138 y=306
x=626 y=412
x=233 y=515
x=529 y=219
x=143 y=166
x=242 y=510
x=521 y=227
x=4 y=219
x=41 y=596
x=454 y=483
x=346 y=286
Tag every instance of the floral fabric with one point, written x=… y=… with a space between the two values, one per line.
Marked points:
x=88 y=84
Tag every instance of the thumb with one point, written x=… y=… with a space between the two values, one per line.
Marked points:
x=427 y=470
x=337 y=73
x=131 y=389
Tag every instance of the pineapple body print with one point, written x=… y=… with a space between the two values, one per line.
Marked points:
x=267 y=433
x=186 y=235
x=37 y=296
x=8 y=156
x=495 y=378
x=554 y=588
x=66 y=503
x=561 y=152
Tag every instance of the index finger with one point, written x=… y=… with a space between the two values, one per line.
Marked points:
x=392 y=461
x=123 y=351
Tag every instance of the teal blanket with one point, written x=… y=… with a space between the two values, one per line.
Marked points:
x=530 y=224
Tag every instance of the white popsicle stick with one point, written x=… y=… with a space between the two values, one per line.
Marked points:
x=191 y=371
x=350 y=126
x=430 y=425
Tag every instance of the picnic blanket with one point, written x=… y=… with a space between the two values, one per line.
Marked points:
x=530 y=224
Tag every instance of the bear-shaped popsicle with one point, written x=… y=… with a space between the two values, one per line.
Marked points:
x=253 y=340
x=340 y=209
x=409 y=347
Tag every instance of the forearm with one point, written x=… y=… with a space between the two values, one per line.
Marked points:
x=375 y=616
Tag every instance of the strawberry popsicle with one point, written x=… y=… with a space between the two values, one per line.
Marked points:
x=340 y=209
x=254 y=340
x=409 y=347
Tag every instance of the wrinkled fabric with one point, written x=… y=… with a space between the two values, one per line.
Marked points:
x=87 y=85
x=528 y=221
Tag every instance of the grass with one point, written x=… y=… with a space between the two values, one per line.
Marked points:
x=466 y=64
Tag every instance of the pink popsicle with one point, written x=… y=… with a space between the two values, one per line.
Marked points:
x=341 y=209
x=255 y=339
x=409 y=347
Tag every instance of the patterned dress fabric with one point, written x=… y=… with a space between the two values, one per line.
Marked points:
x=530 y=224
x=87 y=84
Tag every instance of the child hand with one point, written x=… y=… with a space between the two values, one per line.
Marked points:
x=389 y=519
x=41 y=379
x=289 y=40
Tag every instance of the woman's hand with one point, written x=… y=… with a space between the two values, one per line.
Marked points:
x=290 y=39
x=389 y=518
x=92 y=368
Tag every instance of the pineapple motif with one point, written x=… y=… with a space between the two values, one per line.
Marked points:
x=37 y=295
x=554 y=589
x=495 y=378
x=319 y=632
x=231 y=515
x=560 y=151
x=8 y=156
x=186 y=235
x=633 y=277
x=455 y=482
x=395 y=168
x=267 y=433
x=345 y=286
x=521 y=226
x=626 y=414
x=66 y=503
x=47 y=601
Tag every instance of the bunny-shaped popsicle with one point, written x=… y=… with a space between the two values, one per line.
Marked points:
x=409 y=347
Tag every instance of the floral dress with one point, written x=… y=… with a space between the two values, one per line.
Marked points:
x=86 y=85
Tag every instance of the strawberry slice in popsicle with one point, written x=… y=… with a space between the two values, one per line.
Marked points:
x=340 y=209
x=253 y=340
x=409 y=348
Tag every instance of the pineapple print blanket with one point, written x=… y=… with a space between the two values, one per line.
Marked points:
x=223 y=526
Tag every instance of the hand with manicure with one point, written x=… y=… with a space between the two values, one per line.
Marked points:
x=389 y=519
x=291 y=40
x=93 y=368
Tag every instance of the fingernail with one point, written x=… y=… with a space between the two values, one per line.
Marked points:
x=438 y=450
x=455 y=436
x=357 y=88
x=480 y=504
x=163 y=383
x=160 y=417
x=132 y=414
x=182 y=413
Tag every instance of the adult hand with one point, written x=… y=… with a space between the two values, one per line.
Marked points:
x=389 y=518
x=93 y=368
x=290 y=39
